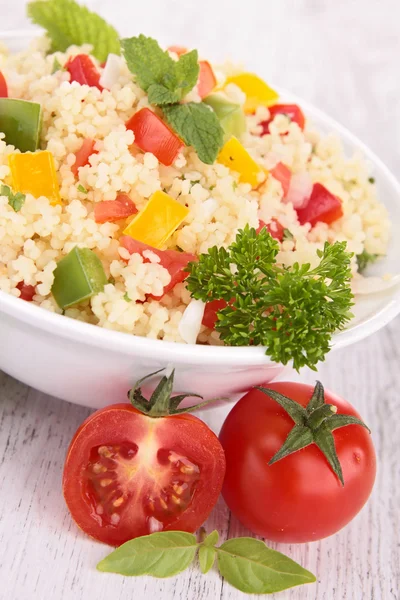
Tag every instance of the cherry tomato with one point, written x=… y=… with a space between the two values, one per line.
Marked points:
x=293 y=111
x=3 y=86
x=27 y=291
x=82 y=70
x=284 y=175
x=275 y=229
x=299 y=498
x=82 y=155
x=114 y=210
x=153 y=135
x=322 y=206
x=175 y=262
x=127 y=474
x=207 y=80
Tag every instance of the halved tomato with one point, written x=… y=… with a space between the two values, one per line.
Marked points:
x=175 y=262
x=128 y=474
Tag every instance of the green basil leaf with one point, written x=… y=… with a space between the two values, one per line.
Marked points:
x=206 y=558
x=250 y=566
x=161 y=554
x=211 y=539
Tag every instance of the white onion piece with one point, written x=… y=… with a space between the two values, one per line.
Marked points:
x=299 y=190
x=190 y=323
x=111 y=72
x=372 y=285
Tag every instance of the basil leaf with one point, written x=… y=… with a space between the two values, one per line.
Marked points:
x=199 y=127
x=211 y=539
x=161 y=554
x=206 y=558
x=248 y=565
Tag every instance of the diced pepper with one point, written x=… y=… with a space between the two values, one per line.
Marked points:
x=175 y=262
x=322 y=206
x=82 y=155
x=234 y=156
x=230 y=115
x=27 y=291
x=292 y=111
x=284 y=175
x=207 y=80
x=82 y=69
x=114 y=210
x=153 y=135
x=21 y=121
x=77 y=277
x=34 y=173
x=3 y=86
x=157 y=221
x=275 y=229
x=258 y=93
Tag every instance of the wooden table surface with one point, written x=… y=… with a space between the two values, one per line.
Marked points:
x=344 y=57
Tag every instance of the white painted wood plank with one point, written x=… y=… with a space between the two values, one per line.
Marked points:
x=344 y=57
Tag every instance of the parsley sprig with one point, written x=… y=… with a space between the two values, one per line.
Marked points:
x=167 y=82
x=16 y=201
x=292 y=311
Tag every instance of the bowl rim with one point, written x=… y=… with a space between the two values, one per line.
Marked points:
x=131 y=344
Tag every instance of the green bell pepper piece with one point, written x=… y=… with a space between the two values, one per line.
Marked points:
x=21 y=121
x=230 y=115
x=77 y=277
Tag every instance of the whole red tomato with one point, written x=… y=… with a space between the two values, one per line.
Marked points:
x=299 y=498
x=128 y=474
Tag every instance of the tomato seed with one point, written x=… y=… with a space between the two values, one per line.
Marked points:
x=105 y=482
x=104 y=451
x=118 y=501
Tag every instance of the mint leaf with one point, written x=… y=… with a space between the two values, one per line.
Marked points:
x=206 y=558
x=187 y=71
x=16 y=201
x=68 y=23
x=57 y=66
x=160 y=95
x=160 y=554
x=250 y=566
x=149 y=63
x=81 y=189
x=199 y=127
x=165 y=80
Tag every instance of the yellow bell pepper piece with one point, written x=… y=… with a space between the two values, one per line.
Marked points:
x=258 y=93
x=34 y=173
x=234 y=156
x=157 y=221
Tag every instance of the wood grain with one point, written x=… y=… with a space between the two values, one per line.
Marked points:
x=344 y=57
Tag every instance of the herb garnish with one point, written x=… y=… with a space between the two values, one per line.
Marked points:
x=16 y=201
x=167 y=81
x=287 y=235
x=81 y=189
x=292 y=311
x=364 y=259
x=247 y=564
x=68 y=23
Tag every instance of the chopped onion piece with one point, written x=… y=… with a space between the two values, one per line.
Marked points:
x=190 y=323
x=300 y=189
x=111 y=72
x=372 y=285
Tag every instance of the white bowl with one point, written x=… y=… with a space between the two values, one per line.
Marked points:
x=92 y=366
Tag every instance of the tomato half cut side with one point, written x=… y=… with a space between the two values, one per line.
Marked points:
x=3 y=86
x=127 y=474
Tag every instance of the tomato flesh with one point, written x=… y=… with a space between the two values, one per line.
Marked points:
x=207 y=80
x=83 y=71
x=284 y=175
x=175 y=262
x=3 y=86
x=127 y=474
x=321 y=207
x=299 y=498
x=27 y=291
x=275 y=229
x=153 y=135
x=83 y=154
x=210 y=312
x=114 y=210
x=293 y=111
